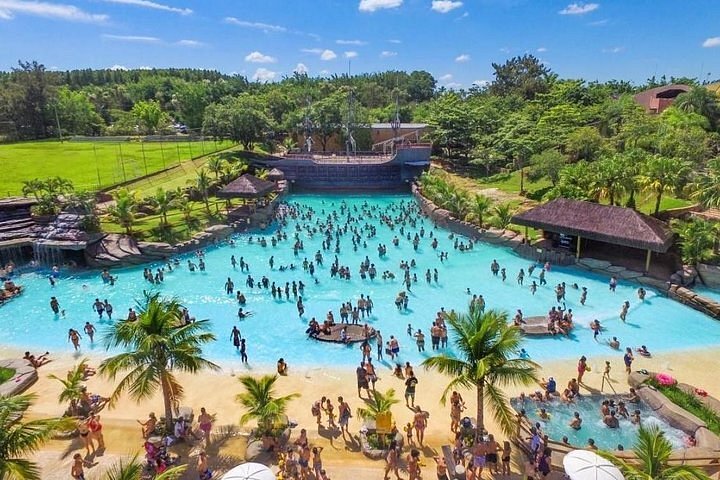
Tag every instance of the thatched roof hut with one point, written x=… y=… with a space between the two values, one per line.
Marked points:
x=276 y=174
x=603 y=223
x=246 y=186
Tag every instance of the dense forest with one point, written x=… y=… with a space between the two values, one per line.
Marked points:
x=591 y=140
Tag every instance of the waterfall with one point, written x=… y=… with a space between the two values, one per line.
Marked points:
x=12 y=254
x=47 y=255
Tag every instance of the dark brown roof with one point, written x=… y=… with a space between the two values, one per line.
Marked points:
x=276 y=174
x=246 y=186
x=650 y=98
x=605 y=223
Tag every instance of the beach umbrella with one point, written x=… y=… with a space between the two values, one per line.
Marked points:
x=586 y=465
x=249 y=471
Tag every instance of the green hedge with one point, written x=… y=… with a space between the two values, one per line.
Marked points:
x=690 y=403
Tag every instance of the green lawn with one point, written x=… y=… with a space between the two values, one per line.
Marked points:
x=148 y=227
x=93 y=165
x=6 y=374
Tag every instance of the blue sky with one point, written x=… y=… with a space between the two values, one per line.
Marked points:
x=455 y=40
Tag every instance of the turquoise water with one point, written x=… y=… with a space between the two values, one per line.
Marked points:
x=592 y=425
x=275 y=329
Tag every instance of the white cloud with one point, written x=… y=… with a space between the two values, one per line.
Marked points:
x=8 y=9
x=387 y=54
x=445 y=6
x=711 y=42
x=118 y=67
x=446 y=78
x=358 y=43
x=613 y=50
x=265 y=27
x=189 y=43
x=350 y=54
x=579 y=8
x=324 y=54
x=542 y=50
x=324 y=72
x=505 y=50
x=327 y=55
x=395 y=41
x=373 y=5
x=131 y=38
x=257 y=57
x=301 y=69
x=263 y=75
x=462 y=58
x=153 y=5
x=481 y=83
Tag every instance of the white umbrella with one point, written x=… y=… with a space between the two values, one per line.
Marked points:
x=249 y=471
x=586 y=465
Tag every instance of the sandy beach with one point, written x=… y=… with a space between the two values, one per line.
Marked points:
x=216 y=392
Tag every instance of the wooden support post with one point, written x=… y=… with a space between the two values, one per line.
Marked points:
x=647 y=260
x=577 y=250
x=526 y=235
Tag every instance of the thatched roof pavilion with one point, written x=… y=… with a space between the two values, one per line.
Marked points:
x=276 y=174
x=246 y=186
x=602 y=223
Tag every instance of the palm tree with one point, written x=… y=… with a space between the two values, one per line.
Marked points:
x=661 y=175
x=164 y=201
x=479 y=207
x=216 y=165
x=202 y=184
x=124 y=209
x=706 y=187
x=72 y=384
x=502 y=215
x=232 y=170
x=608 y=179
x=133 y=470
x=697 y=239
x=653 y=451
x=702 y=101
x=261 y=403
x=377 y=404
x=486 y=347
x=155 y=346
x=22 y=439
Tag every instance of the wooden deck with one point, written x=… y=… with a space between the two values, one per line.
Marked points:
x=354 y=334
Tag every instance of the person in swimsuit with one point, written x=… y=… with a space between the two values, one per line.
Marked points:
x=413 y=464
x=506 y=453
x=420 y=424
x=491 y=456
x=317 y=461
x=235 y=336
x=204 y=472
x=304 y=461
x=344 y=415
x=96 y=433
x=442 y=470
x=205 y=423
x=479 y=458
x=393 y=460
x=74 y=337
x=76 y=471
x=84 y=431
x=581 y=368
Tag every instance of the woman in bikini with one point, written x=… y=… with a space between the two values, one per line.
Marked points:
x=392 y=460
x=84 y=431
x=96 y=433
x=413 y=461
x=420 y=423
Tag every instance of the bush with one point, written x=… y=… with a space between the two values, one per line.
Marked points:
x=690 y=403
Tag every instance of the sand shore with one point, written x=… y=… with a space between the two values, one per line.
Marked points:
x=216 y=392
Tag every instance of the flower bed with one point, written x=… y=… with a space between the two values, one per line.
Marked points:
x=688 y=402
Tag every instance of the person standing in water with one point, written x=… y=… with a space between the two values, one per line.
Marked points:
x=235 y=337
x=74 y=337
x=90 y=331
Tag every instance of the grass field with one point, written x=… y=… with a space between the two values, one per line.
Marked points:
x=93 y=165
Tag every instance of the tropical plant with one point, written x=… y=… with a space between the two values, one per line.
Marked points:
x=378 y=403
x=706 y=186
x=697 y=239
x=133 y=470
x=502 y=215
x=486 y=347
x=155 y=346
x=202 y=184
x=702 y=101
x=164 y=201
x=72 y=384
x=19 y=439
x=479 y=206
x=660 y=175
x=653 y=452
x=261 y=404
x=215 y=165
x=124 y=208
